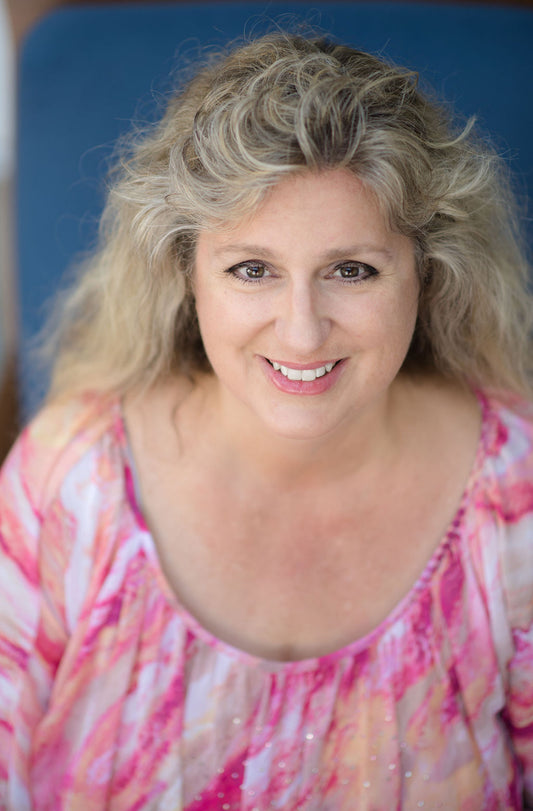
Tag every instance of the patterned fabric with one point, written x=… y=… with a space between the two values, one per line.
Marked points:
x=113 y=697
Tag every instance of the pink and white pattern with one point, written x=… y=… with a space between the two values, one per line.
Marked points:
x=113 y=697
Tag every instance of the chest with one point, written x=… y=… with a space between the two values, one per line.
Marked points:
x=291 y=577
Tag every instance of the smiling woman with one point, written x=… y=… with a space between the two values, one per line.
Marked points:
x=269 y=542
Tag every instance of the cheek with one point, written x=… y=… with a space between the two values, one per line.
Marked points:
x=404 y=328
x=211 y=305
x=388 y=326
x=231 y=310
x=211 y=318
x=228 y=321
x=402 y=321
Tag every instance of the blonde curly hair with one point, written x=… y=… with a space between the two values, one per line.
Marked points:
x=278 y=105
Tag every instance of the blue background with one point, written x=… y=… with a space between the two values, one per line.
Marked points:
x=86 y=73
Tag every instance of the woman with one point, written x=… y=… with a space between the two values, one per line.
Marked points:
x=269 y=543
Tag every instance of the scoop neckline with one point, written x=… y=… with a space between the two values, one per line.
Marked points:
x=352 y=649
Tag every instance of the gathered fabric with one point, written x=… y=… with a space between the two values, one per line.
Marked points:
x=113 y=696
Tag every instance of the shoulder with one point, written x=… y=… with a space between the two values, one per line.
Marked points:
x=61 y=497
x=59 y=438
x=508 y=441
x=503 y=504
x=52 y=480
x=505 y=483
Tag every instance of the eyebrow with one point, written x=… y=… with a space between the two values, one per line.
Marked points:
x=327 y=256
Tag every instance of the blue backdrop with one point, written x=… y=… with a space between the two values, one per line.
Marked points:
x=87 y=72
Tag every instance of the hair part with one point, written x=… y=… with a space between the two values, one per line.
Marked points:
x=277 y=106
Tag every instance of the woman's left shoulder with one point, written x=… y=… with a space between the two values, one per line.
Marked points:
x=508 y=435
x=504 y=543
x=502 y=501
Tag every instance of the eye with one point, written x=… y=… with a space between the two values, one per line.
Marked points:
x=354 y=271
x=251 y=271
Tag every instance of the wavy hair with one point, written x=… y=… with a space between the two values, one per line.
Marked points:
x=278 y=105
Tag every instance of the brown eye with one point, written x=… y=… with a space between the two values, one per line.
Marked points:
x=249 y=271
x=254 y=271
x=356 y=271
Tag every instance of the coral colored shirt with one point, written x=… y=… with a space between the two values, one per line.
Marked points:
x=112 y=696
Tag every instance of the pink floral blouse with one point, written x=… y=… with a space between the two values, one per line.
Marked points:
x=112 y=696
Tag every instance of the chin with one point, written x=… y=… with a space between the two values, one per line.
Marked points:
x=300 y=428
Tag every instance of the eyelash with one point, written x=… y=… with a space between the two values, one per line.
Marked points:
x=234 y=271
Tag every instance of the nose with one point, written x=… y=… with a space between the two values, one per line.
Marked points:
x=302 y=326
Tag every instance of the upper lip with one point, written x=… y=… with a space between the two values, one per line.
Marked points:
x=310 y=365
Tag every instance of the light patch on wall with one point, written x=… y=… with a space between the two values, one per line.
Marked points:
x=7 y=83
x=7 y=126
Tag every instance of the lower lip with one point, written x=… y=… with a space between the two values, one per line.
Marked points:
x=317 y=386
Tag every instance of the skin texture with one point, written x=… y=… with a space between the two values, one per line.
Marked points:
x=301 y=311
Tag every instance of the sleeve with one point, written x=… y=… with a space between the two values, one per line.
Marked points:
x=515 y=508
x=518 y=580
x=45 y=569
x=19 y=620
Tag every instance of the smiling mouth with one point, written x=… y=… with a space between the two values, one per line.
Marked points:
x=307 y=375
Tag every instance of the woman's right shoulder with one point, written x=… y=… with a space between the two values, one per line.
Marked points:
x=56 y=440
x=55 y=488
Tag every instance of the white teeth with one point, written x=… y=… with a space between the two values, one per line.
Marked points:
x=307 y=375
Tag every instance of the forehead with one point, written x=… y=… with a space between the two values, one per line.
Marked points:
x=333 y=207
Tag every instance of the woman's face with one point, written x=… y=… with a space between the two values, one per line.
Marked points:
x=307 y=307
